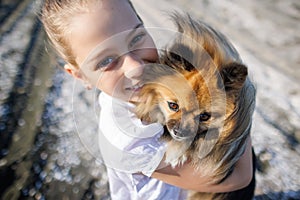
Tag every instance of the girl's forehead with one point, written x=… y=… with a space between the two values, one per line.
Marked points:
x=89 y=29
x=105 y=20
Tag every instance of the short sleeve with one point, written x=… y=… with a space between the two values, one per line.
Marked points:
x=127 y=144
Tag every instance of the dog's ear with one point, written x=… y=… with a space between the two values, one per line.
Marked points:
x=179 y=57
x=148 y=109
x=233 y=76
x=142 y=108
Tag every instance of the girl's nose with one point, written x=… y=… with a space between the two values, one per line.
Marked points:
x=133 y=66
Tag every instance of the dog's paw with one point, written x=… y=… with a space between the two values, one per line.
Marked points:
x=176 y=161
x=176 y=153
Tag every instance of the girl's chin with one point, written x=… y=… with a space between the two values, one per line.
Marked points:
x=132 y=97
x=135 y=99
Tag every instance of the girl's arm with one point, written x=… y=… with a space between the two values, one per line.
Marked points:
x=186 y=177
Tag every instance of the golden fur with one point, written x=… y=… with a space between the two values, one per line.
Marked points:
x=202 y=94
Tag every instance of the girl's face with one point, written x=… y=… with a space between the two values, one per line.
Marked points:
x=111 y=45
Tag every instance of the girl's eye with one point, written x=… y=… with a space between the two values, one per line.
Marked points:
x=137 y=39
x=105 y=62
x=173 y=106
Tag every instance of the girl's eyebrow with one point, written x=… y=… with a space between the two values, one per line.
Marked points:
x=94 y=57
x=134 y=30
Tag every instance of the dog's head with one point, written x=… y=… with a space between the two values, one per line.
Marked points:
x=200 y=86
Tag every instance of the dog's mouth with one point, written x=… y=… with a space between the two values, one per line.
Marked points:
x=179 y=135
x=176 y=132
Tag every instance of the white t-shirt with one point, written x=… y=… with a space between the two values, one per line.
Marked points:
x=131 y=152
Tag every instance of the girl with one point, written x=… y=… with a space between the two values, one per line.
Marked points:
x=131 y=150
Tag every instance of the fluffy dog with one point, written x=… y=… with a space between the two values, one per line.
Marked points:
x=202 y=94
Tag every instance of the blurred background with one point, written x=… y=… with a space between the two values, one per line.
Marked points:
x=48 y=121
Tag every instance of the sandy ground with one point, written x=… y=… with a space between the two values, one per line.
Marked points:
x=63 y=161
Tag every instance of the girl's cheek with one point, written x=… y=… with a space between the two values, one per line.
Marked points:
x=106 y=82
x=99 y=81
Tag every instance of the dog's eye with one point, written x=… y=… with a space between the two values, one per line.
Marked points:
x=173 y=106
x=204 y=116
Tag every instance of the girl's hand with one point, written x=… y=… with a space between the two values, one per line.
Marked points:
x=187 y=178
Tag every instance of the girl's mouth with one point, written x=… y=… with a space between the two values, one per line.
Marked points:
x=135 y=88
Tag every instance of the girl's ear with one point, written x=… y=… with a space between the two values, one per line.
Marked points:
x=73 y=71
x=76 y=73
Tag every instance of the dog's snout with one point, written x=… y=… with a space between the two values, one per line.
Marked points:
x=173 y=124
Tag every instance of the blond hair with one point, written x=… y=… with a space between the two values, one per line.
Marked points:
x=56 y=17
